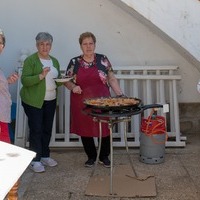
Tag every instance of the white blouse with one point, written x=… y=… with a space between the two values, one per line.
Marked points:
x=50 y=82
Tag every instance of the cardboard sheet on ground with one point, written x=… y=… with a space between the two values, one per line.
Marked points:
x=13 y=162
x=123 y=184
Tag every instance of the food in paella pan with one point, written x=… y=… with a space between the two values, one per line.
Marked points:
x=112 y=102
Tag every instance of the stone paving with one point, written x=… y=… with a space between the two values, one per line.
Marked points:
x=177 y=178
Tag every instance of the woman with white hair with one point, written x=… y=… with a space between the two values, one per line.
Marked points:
x=5 y=97
x=5 y=110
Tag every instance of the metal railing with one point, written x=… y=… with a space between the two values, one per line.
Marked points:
x=152 y=84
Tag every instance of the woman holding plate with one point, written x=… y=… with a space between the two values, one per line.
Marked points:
x=38 y=94
x=93 y=74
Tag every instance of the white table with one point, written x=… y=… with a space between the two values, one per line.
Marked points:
x=13 y=162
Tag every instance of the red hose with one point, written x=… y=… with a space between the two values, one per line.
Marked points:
x=154 y=126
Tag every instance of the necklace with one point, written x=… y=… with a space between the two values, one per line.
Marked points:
x=87 y=63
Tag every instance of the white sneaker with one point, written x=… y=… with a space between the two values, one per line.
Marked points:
x=49 y=162
x=37 y=167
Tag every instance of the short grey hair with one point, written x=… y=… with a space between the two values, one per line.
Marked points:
x=44 y=36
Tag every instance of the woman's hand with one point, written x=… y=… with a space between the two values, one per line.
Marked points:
x=73 y=87
x=113 y=82
x=12 y=78
x=77 y=89
x=44 y=72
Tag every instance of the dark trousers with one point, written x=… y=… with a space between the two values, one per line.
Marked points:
x=91 y=151
x=40 y=123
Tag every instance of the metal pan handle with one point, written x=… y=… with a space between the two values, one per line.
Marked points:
x=148 y=106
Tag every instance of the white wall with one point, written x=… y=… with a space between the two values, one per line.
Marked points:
x=119 y=35
x=179 y=19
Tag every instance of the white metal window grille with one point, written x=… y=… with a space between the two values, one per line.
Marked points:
x=151 y=84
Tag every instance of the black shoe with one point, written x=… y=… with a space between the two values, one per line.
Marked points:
x=90 y=162
x=105 y=162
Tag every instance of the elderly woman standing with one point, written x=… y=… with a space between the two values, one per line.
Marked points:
x=93 y=74
x=5 y=97
x=38 y=94
x=5 y=110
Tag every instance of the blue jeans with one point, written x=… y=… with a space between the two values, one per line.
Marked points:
x=40 y=122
